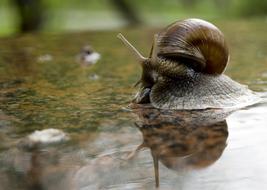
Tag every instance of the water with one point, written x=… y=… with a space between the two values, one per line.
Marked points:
x=109 y=146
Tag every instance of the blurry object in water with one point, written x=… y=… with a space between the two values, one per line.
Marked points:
x=45 y=58
x=30 y=14
x=182 y=140
x=44 y=137
x=88 y=56
x=127 y=11
x=264 y=74
x=93 y=77
x=48 y=136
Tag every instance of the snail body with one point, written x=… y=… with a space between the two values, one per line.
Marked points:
x=185 y=69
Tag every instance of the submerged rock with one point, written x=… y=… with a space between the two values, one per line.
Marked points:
x=88 y=56
x=45 y=58
x=44 y=137
x=93 y=77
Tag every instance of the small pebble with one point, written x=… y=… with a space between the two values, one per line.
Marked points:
x=88 y=56
x=44 y=137
x=45 y=58
x=47 y=136
x=94 y=77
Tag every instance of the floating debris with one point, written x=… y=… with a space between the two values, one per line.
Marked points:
x=45 y=58
x=88 y=56
x=44 y=137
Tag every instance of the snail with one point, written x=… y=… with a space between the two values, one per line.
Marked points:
x=185 y=70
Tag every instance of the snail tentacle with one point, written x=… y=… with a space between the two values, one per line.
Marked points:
x=136 y=53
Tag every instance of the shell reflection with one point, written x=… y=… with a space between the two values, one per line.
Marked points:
x=182 y=139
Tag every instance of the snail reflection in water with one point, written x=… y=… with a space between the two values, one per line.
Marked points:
x=182 y=139
x=185 y=70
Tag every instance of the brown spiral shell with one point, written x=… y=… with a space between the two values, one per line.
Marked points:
x=196 y=43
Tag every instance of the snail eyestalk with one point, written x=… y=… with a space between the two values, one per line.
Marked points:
x=154 y=51
x=137 y=54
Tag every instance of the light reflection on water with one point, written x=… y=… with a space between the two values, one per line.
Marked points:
x=195 y=150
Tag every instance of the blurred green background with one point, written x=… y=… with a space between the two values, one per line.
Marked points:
x=18 y=16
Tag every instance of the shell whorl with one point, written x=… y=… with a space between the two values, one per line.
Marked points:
x=196 y=43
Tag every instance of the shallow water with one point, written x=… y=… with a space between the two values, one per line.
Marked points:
x=42 y=85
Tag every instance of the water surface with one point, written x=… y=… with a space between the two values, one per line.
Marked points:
x=111 y=146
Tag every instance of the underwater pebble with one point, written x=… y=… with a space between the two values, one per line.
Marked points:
x=92 y=58
x=93 y=77
x=45 y=58
x=44 y=137
x=48 y=136
x=88 y=56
